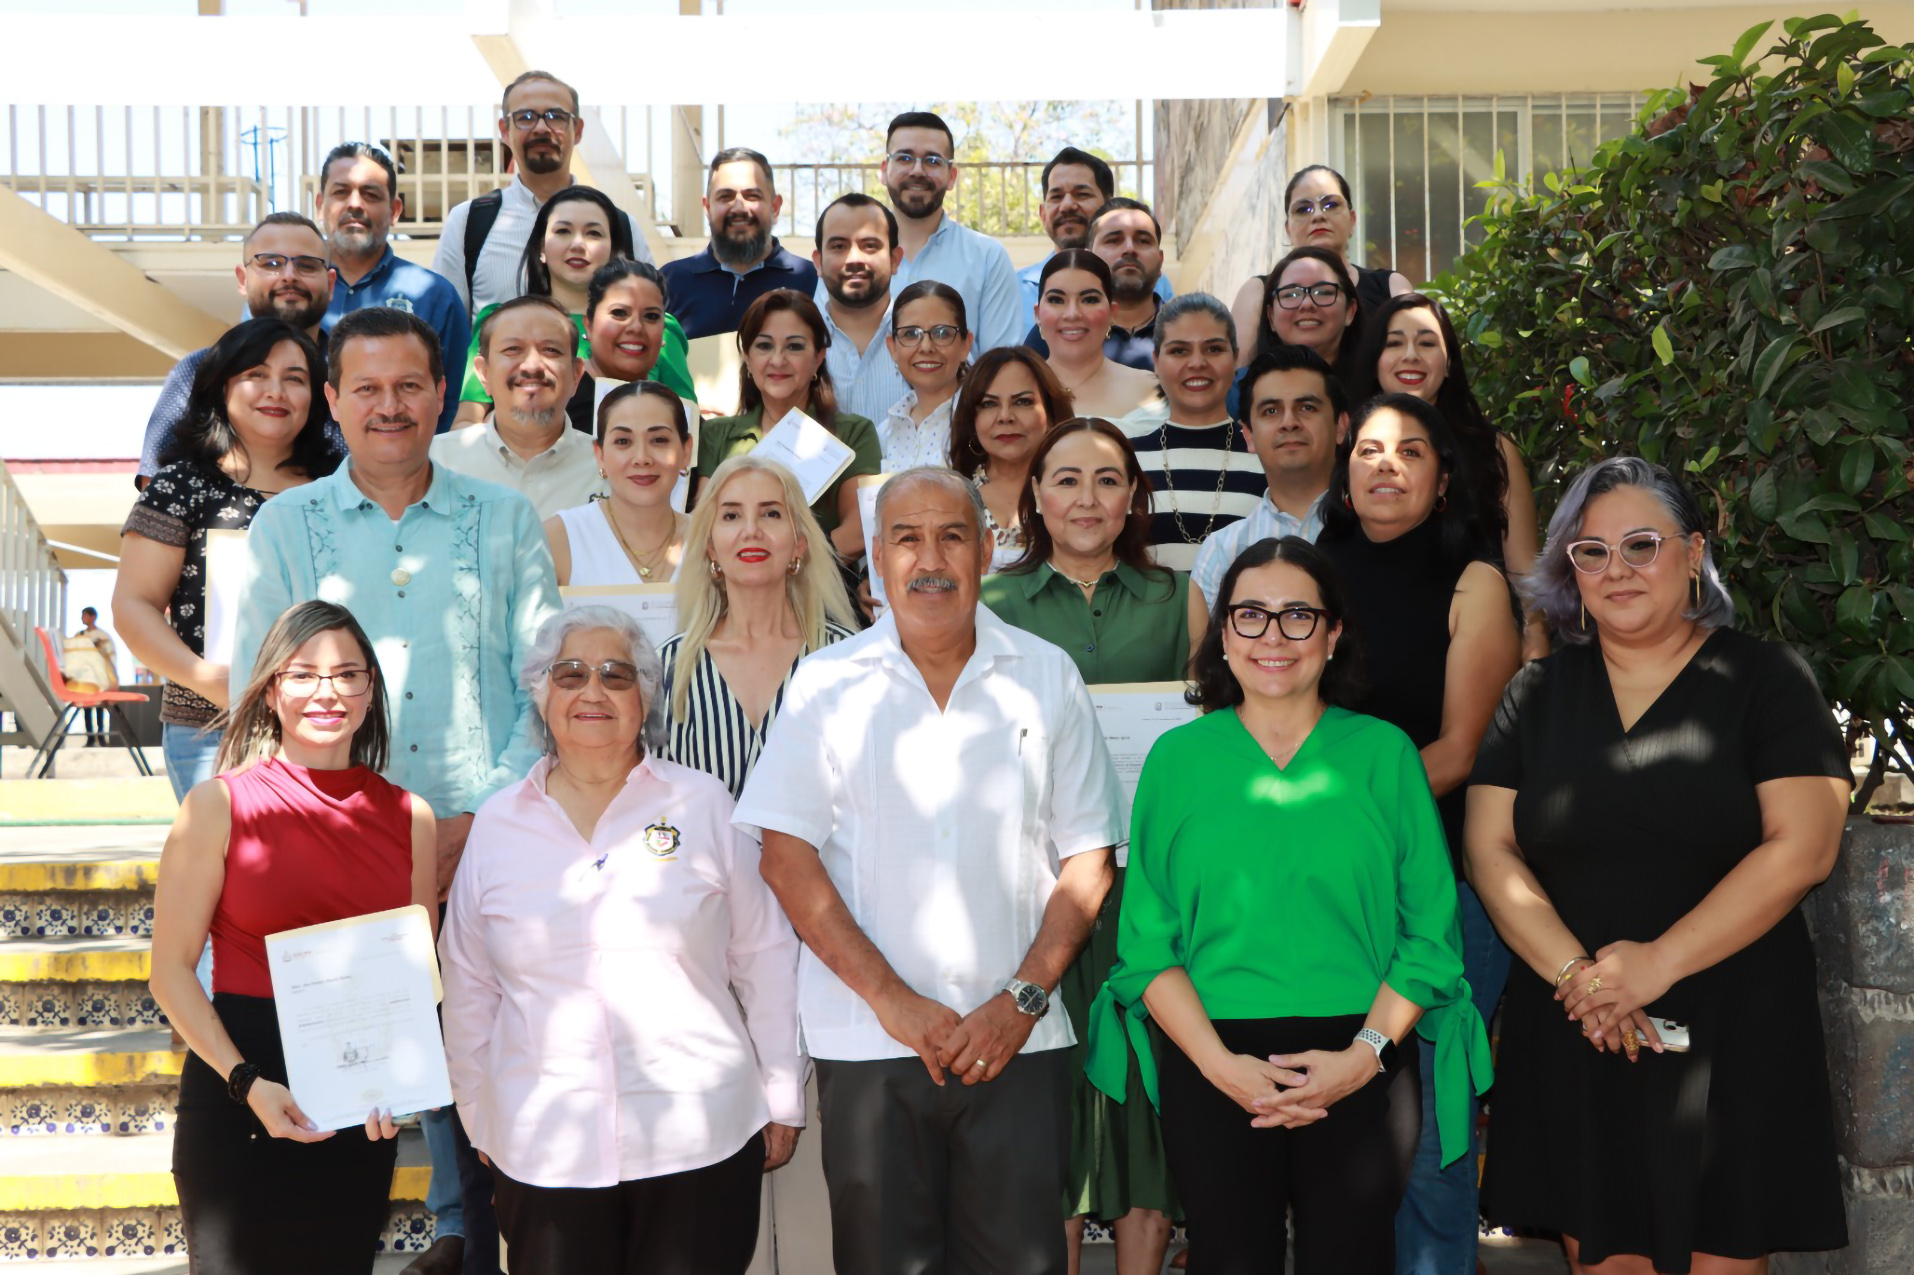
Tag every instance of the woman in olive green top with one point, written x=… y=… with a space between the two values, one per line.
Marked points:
x=782 y=338
x=1291 y=917
x=1086 y=583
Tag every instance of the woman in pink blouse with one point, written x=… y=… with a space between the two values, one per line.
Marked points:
x=603 y=916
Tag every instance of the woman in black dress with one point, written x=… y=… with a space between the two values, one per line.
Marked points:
x=1403 y=528
x=1647 y=810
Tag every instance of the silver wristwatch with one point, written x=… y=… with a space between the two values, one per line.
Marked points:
x=1029 y=998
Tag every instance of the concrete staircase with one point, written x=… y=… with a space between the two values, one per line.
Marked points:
x=88 y=1076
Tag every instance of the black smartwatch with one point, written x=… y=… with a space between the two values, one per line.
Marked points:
x=1384 y=1047
x=240 y=1080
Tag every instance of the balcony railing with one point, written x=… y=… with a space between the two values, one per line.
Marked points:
x=211 y=172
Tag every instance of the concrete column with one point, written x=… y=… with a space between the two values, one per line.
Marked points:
x=1863 y=923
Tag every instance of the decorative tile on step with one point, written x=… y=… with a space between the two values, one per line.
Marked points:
x=130 y=1233
x=17 y=916
x=56 y=918
x=96 y=1005
x=41 y=1005
x=137 y=916
x=19 y=1237
x=138 y=1008
x=172 y=1232
x=101 y=916
x=407 y=1230
x=70 y=1235
x=29 y=1113
x=88 y=1113
x=146 y=1110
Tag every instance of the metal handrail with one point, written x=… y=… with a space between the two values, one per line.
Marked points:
x=32 y=583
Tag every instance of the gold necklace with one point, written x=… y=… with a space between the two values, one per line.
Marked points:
x=663 y=546
x=1169 y=483
x=1071 y=390
x=1088 y=586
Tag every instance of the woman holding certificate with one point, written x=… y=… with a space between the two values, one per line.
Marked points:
x=1290 y=920
x=1086 y=583
x=620 y=985
x=297 y=829
x=762 y=593
x=782 y=339
x=633 y=535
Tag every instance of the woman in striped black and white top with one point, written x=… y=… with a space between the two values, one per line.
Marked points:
x=759 y=591
x=1203 y=470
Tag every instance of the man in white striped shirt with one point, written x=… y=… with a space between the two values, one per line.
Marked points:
x=1298 y=413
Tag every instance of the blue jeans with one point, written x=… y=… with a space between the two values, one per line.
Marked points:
x=1439 y=1220
x=189 y=753
x=443 y=1196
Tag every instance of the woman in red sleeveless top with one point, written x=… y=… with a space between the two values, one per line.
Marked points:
x=296 y=829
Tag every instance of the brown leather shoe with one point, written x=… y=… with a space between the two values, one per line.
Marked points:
x=445 y=1257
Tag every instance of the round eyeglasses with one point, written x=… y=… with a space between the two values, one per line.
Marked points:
x=575 y=675
x=304 y=683
x=1591 y=557
x=941 y=335
x=1295 y=623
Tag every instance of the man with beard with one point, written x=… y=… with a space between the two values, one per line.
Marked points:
x=744 y=260
x=1125 y=234
x=284 y=272
x=357 y=203
x=451 y=579
x=918 y=171
x=856 y=256
x=528 y=361
x=483 y=243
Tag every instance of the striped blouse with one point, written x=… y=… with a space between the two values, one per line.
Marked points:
x=1208 y=477
x=716 y=735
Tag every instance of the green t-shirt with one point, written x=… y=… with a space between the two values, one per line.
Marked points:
x=1136 y=628
x=1292 y=892
x=673 y=369
x=722 y=437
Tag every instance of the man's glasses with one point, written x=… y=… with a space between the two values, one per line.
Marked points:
x=1307 y=207
x=528 y=120
x=304 y=683
x=276 y=263
x=1291 y=296
x=575 y=675
x=941 y=335
x=1590 y=557
x=930 y=163
x=1295 y=623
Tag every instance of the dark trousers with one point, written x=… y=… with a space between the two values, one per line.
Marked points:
x=1341 y=1178
x=253 y=1204
x=699 y=1222
x=98 y=727
x=957 y=1180
x=476 y=1187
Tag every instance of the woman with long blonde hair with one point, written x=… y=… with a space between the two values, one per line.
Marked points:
x=759 y=590
x=295 y=829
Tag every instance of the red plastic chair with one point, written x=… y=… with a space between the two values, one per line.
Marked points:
x=41 y=766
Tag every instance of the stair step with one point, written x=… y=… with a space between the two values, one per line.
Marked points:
x=384 y=1264
x=79 y=959
x=67 y=876
x=110 y=1056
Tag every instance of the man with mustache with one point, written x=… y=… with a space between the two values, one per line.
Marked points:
x=483 y=242
x=938 y=812
x=284 y=271
x=919 y=170
x=1125 y=233
x=1076 y=185
x=450 y=578
x=856 y=255
x=357 y=203
x=711 y=290
x=528 y=361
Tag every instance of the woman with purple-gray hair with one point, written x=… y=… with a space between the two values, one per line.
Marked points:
x=1650 y=805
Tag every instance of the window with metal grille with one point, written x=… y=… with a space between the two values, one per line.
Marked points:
x=1413 y=163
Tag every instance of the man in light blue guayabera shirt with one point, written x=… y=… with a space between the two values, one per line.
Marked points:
x=450 y=578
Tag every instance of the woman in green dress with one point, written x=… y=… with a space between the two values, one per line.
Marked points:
x=1290 y=919
x=1086 y=583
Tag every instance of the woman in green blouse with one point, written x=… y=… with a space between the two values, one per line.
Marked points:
x=782 y=338
x=1086 y=583
x=1290 y=920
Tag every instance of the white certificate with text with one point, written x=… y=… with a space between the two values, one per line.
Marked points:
x=868 y=486
x=654 y=606
x=358 y=1016
x=226 y=576
x=808 y=450
x=1133 y=715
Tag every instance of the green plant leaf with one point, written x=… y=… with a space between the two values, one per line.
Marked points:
x=1856 y=467
x=1854 y=612
x=1744 y=45
x=1764 y=498
x=1664 y=348
x=1849 y=140
x=1844 y=555
x=1835 y=318
x=1578 y=368
x=1830 y=177
x=1773 y=362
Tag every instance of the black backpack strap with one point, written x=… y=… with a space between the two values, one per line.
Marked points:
x=478 y=227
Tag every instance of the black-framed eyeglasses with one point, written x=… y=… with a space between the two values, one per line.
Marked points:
x=930 y=163
x=276 y=262
x=304 y=683
x=1291 y=296
x=1295 y=623
x=528 y=119
x=1591 y=557
x=575 y=675
x=941 y=335
x=1308 y=207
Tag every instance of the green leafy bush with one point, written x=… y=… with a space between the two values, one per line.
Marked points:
x=1729 y=290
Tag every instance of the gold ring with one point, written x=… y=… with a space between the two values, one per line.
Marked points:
x=1594 y=985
